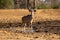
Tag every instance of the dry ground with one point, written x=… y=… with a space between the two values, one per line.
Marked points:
x=6 y=34
x=43 y=16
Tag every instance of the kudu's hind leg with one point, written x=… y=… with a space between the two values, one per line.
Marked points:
x=25 y=26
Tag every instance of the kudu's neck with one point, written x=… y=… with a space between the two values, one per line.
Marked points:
x=32 y=14
x=32 y=11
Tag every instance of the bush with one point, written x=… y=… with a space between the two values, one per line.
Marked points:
x=6 y=4
x=56 y=6
x=42 y=6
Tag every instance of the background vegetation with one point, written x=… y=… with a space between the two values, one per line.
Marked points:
x=6 y=4
x=40 y=4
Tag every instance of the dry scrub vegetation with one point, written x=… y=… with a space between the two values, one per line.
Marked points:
x=46 y=21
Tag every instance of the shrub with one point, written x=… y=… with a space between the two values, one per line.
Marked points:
x=42 y=6
x=55 y=6
x=6 y=4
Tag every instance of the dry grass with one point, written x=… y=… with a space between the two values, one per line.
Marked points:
x=12 y=15
x=47 y=14
x=15 y=15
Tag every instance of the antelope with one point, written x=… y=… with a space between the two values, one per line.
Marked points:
x=27 y=20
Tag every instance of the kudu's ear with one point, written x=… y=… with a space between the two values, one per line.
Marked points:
x=30 y=10
x=34 y=10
